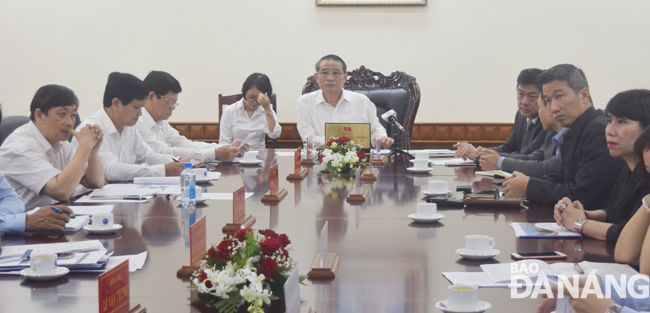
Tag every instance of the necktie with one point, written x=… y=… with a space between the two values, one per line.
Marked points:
x=527 y=135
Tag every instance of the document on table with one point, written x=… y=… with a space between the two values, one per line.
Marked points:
x=542 y=230
x=123 y=193
x=136 y=261
x=453 y=162
x=75 y=224
x=479 y=279
x=91 y=209
x=87 y=254
x=222 y=195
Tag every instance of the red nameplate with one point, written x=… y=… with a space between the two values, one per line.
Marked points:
x=114 y=289
x=274 y=182
x=297 y=161
x=197 y=242
x=239 y=205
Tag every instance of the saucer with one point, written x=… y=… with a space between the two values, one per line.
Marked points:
x=481 y=306
x=199 y=201
x=418 y=170
x=431 y=193
x=203 y=179
x=417 y=219
x=58 y=272
x=103 y=230
x=472 y=256
x=252 y=162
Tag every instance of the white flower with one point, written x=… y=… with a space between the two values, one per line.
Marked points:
x=248 y=293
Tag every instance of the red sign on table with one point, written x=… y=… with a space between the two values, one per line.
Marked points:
x=197 y=242
x=239 y=205
x=274 y=182
x=297 y=161
x=114 y=289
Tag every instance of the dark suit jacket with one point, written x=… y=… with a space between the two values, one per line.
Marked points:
x=515 y=145
x=630 y=188
x=588 y=172
x=541 y=162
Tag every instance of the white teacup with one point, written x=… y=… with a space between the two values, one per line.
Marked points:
x=479 y=244
x=421 y=164
x=43 y=264
x=438 y=186
x=200 y=172
x=462 y=297
x=422 y=155
x=102 y=220
x=198 y=193
x=427 y=210
x=250 y=156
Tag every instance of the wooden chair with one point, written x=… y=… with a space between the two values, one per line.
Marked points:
x=228 y=100
x=399 y=92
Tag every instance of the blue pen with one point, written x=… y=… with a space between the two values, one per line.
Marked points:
x=57 y=210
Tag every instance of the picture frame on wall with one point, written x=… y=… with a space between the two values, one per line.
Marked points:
x=371 y=2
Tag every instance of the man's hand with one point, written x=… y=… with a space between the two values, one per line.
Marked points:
x=100 y=138
x=86 y=136
x=488 y=159
x=384 y=142
x=46 y=219
x=591 y=303
x=465 y=151
x=174 y=168
x=515 y=185
x=189 y=159
x=571 y=213
x=237 y=143
x=226 y=153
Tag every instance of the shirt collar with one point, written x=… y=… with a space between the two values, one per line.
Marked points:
x=148 y=120
x=107 y=123
x=345 y=95
x=534 y=121
x=559 y=137
x=40 y=139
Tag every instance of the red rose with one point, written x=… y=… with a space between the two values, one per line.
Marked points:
x=203 y=276
x=344 y=140
x=223 y=253
x=268 y=233
x=212 y=253
x=361 y=154
x=320 y=157
x=268 y=267
x=269 y=246
x=331 y=141
x=284 y=240
x=241 y=234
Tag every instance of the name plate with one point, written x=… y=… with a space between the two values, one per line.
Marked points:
x=358 y=132
x=297 y=161
x=274 y=182
x=239 y=205
x=197 y=242
x=114 y=289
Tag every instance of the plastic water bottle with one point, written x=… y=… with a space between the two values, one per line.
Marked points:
x=188 y=187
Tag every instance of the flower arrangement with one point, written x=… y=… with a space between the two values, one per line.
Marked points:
x=340 y=154
x=246 y=266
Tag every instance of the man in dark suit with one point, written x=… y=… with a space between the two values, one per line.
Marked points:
x=588 y=172
x=528 y=133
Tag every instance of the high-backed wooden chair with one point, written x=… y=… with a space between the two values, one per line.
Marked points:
x=228 y=100
x=399 y=92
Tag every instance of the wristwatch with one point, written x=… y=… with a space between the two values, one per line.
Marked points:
x=578 y=224
x=268 y=114
x=645 y=205
x=615 y=308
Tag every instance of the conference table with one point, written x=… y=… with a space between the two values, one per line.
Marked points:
x=388 y=263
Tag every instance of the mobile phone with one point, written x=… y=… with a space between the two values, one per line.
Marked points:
x=498 y=182
x=538 y=255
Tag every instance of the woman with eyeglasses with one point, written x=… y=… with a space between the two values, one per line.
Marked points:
x=252 y=114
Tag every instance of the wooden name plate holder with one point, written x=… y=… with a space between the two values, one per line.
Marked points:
x=327 y=271
x=140 y=309
x=300 y=176
x=239 y=217
x=274 y=197
x=370 y=175
x=275 y=194
x=298 y=172
x=198 y=246
x=358 y=198
x=233 y=227
x=379 y=160
x=309 y=159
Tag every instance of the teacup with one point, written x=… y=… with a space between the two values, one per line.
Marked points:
x=421 y=164
x=479 y=244
x=438 y=186
x=250 y=156
x=102 y=220
x=422 y=155
x=427 y=210
x=200 y=172
x=462 y=297
x=43 y=264
x=198 y=193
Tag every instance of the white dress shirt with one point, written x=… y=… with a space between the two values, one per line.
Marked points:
x=29 y=162
x=125 y=156
x=164 y=139
x=314 y=112
x=235 y=124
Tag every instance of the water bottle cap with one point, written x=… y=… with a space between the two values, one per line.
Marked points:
x=188 y=165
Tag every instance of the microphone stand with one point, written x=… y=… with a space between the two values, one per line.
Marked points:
x=399 y=155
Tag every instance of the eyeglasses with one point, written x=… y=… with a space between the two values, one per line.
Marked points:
x=335 y=74
x=172 y=105
x=250 y=97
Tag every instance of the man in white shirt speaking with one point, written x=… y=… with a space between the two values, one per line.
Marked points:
x=333 y=104
x=123 y=153
x=37 y=159
x=161 y=101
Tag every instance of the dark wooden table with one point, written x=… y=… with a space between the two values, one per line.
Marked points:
x=388 y=263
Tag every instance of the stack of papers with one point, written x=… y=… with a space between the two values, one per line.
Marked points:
x=87 y=255
x=455 y=162
x=123 y=193
x=542 y=230
x=136 y=261
x=495 y=173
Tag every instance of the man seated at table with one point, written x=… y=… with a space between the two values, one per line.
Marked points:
x=528 y=134
x=588 y=171
x=333 y=104
x=545 y=160
x=123 y=153
x=161 y=101
x=37 y=159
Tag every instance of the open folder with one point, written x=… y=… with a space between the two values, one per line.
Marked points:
x=81 y=255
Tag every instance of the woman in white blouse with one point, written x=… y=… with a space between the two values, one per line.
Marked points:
x=253 y=113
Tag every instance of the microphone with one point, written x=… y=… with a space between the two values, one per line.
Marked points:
x=390 y=117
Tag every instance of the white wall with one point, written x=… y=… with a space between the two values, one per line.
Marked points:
x=465 y=54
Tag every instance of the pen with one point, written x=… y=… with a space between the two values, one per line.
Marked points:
x=176 y=159
x=57 y=210
x=578 y=268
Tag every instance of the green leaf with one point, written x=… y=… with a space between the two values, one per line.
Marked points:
x=277 y=285
x=302 y=278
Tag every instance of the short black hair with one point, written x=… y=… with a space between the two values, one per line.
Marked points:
x=162 y=82
x=125 y=87
x=331 y=57
x=259 y=80
x=528 y=77
x=574 y=77
x=631 y=104
x=52 y=96
x=641 y=145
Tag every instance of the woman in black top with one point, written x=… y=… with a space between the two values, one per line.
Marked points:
x=628 y=115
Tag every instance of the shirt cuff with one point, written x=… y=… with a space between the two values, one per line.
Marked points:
x=207 y=154
x=157 y=170
x=15 y=223
x=500 y=162
x=628 y=310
